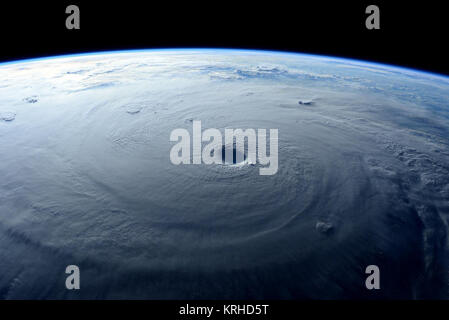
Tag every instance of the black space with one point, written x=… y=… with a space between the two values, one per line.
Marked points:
x=411 y=35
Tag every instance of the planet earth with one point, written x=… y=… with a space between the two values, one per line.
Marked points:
x=86 y=178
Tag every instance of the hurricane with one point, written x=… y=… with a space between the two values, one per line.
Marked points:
x=86 y=178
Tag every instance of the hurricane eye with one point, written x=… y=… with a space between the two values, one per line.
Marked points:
x=236 y=154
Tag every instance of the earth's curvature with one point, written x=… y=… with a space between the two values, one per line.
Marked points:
x=86 y=178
